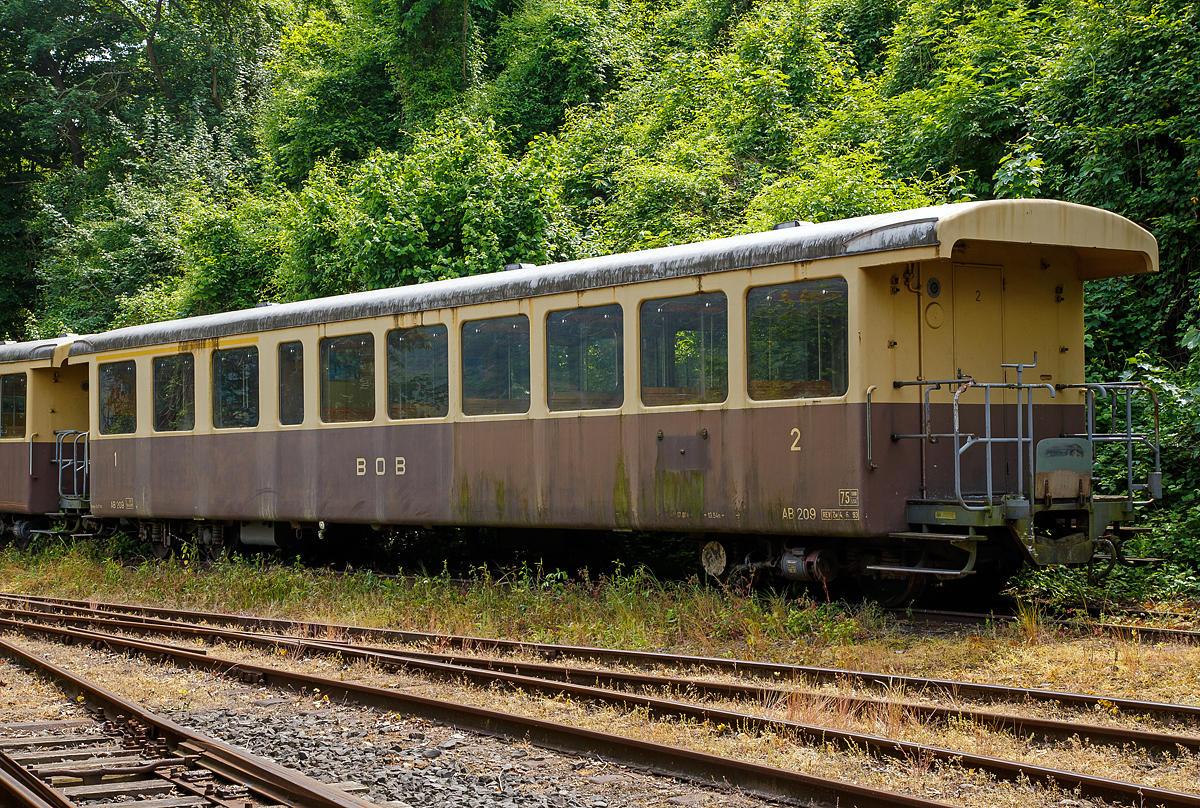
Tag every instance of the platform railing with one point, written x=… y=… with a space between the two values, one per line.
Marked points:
x=1024 y=436
x=73 y=467
x=1120 y=396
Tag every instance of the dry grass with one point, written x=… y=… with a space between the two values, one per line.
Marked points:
x=166 y=688
x=170 y=688
x=24 y=697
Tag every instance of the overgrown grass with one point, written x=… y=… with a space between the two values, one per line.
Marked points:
x=628 y=610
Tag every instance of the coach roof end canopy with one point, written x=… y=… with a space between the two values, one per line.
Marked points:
x=1108 y=245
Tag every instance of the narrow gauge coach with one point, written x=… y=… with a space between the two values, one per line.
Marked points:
x=887 y=399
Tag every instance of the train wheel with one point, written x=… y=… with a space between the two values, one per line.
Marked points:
x=22 y=531
x=714 y=560
x=889 y=592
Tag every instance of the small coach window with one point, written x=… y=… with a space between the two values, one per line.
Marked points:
x=495 y=372
x=348 y=378
x=174 y=393
x=291 y=383
x=118 y=398
x=685 y=350
x=235 y=388
x=584 y=358
x=12 y=405
x=418 y=368
x=796 y=340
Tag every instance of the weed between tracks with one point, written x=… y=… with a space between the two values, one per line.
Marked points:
x=625 y=610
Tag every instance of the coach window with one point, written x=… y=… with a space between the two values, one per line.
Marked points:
x=235 y=388
x=348 y=378
x=12 y=405
x=796 y=336
x=418 y=372
x=118 y=398
x=495 y=366
x=685 y=350
x=584 y=359
x=291 y=382
x=174 y=393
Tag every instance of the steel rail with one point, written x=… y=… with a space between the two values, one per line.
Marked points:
x=772 y=671
x=19 y=787
x=274 y=781
x=1122 y=630
x=765 y=781
x=1086 y=785
x=449 y=666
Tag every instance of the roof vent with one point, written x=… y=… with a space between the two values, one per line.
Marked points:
x=511 y=267
x=793 y=223
x=264 y=303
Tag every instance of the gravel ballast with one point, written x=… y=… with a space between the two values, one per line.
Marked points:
x=412 y=762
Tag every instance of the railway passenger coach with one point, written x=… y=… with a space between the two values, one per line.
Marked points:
x=888 y=398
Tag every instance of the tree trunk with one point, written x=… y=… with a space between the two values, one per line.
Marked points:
x=153 y=60
x=149 y=31
x=70 y=130
x=215 y=96
x=465 y=30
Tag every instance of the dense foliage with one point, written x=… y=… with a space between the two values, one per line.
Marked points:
x=170 y=157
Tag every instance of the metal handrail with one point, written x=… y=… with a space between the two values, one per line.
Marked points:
x=78 y=467
x=1127 y=436
x=987 y=440
x=927 y=433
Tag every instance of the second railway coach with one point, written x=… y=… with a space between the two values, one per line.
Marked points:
x=891 y=398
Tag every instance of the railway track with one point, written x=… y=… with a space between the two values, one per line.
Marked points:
x=1127 y=631
x=125 y=756
x=775 y=784
x=544 y=678
x=181 y=620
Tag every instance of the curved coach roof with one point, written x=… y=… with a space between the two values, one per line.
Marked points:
x=32 y=351
x=1127 y=249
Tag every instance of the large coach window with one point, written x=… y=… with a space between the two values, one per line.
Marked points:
x=12 y=405
x=418 y=369
x=348 y=378
x=174 y=393
x=235 y=388
x=495 y=371
x=118 y=398
x=291 y=383
x=685 y=350
x=584 y=358
x=796 y=340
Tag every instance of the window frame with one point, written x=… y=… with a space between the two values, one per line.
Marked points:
x=213 y=380
x=462 y=368
x=849 y=365
x=25 y=410
x=323 y=391
x=622 y=368
x=133 y=365
x=154 y=390
x=279 y=383
x=651 y=296
x=387 y=372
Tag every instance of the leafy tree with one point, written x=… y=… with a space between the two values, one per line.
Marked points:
x=333 y=94
x=556 y=56
x=455 y=205
x=1116 y=117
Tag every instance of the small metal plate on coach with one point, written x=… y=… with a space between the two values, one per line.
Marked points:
x=683 y=453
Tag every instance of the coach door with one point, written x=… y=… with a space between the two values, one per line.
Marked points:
x=961 y=337
x=978 y=333
x=66 y=427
